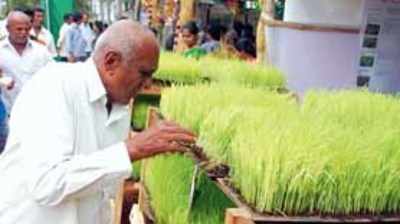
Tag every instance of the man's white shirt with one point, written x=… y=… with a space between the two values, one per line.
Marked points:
x=61 y=40
x=20 y=68
x=88 y=35
x=3 y=29
x=65 y=154
x=45 y=36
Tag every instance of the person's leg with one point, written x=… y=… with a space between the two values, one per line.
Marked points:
x=3 y=135
x=81 y=59
x=63 y=59
x=3 y=125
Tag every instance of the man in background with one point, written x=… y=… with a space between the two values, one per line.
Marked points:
x=20 y=57
x=75 y=42
x=4 y=83
x=87 y=34
x=61 y=43
x=41 y=34
x=3 y=23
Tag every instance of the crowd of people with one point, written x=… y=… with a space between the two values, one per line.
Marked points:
x=217 y=35
x=77 y=37
x=26 y=46
x=216 y=39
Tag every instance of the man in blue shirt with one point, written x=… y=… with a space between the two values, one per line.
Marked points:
x=75 y=42
x=3 y=114
x=3 y=126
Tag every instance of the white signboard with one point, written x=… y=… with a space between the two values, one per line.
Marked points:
x=324 y=12
x=380 y=45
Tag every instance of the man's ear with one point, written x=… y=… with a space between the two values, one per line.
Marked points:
x=112 y=60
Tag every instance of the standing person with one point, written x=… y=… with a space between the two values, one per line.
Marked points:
x=65 y=165
x=3 y=23
x=246 y=50
x=3 y=126
x=213 y=36
x=144 y=15
x=41 y=34
x=190 y=36
x=75 y=42
x=20 y=57
x=98 y=29
x=87 y=34
x=228 y=49
x=62 y=52
x=5 y=82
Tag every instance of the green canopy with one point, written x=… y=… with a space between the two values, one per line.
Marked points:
x=55 y=10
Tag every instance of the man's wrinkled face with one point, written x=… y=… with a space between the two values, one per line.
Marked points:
x=19 y=31
x=38 y=18
x=132 y=76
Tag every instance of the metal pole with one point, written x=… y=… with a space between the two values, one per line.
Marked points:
x=136 y=10
x=9 y=5
x=48 y=14
x=102 y=10
x=108 y=3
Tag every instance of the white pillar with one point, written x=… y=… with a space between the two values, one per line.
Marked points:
x=102 y=10
x=108 y=9
x=326 y=12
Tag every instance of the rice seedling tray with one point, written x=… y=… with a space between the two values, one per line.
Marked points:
x=246 y=213
x=147 y=211
x=145 y=206
x=140 y=108
x=158 y=84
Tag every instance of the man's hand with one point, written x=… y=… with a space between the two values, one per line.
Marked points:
x=39 y=41
x=7 y=82
x=163 y=138
x=11 y=84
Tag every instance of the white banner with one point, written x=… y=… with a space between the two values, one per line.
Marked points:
x=380 y=45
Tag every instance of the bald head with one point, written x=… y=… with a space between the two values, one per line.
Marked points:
x=126 y=55
x=17 y=17
x=18 y=26
x=127 y=37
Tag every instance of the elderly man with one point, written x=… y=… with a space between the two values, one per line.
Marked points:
x=20 y=58
x=41 y=34
x=66 y=153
